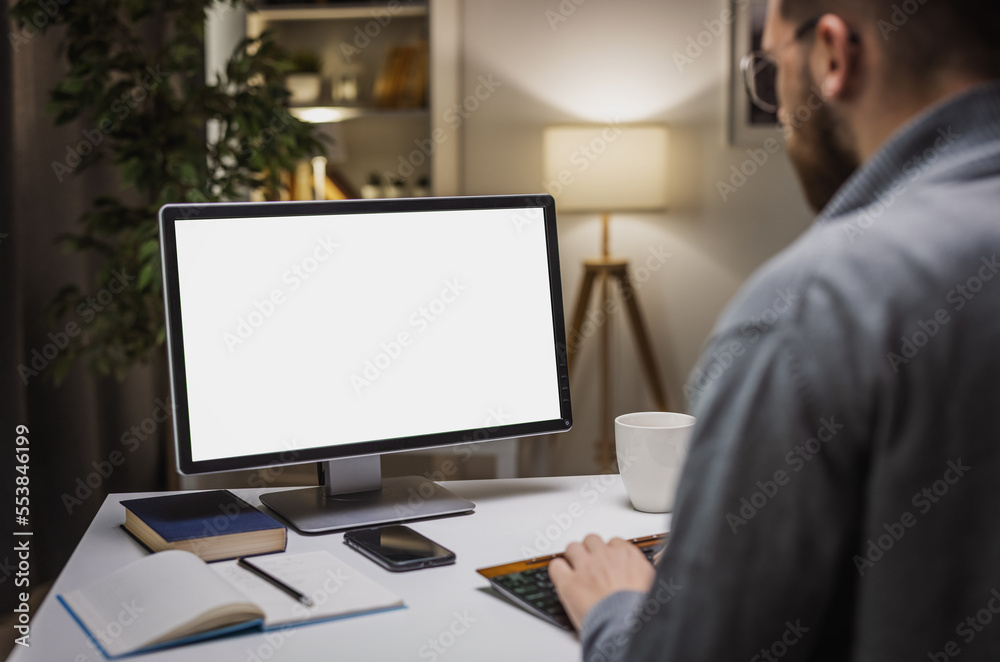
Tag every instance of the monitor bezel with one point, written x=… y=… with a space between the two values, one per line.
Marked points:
x=171 y=214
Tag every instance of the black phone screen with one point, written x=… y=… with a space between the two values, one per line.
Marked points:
x=400 y=546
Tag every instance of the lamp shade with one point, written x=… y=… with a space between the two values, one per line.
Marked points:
x=605 y=168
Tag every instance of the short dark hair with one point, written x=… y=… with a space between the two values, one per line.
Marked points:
x=921 y=36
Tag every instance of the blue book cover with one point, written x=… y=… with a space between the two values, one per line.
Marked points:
x=198 y=516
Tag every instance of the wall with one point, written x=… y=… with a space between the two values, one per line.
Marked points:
x=592 y=61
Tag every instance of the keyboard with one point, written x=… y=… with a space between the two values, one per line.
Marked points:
x=527 y=583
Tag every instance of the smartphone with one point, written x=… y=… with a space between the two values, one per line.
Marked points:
x=398 y=548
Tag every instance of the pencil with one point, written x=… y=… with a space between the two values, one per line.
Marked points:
x=274 y=581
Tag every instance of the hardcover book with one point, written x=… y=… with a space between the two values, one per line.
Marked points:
x=214 y=525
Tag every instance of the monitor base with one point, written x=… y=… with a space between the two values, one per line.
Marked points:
x=312 y=510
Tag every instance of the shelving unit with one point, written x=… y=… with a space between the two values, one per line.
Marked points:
x=368 y=138
x=338 y=12
x=321 y=114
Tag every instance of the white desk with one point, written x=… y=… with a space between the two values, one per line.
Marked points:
x=451 y=613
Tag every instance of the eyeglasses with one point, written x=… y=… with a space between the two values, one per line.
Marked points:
x=760 y=71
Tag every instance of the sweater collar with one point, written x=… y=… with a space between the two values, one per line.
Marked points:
x=937 y=141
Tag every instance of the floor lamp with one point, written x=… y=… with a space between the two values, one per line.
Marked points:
x=605 y=169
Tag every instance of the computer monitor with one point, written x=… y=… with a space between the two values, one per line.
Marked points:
x=334 y=332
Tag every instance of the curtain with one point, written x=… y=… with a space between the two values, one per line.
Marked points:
x=89 y=436
x=11 y=402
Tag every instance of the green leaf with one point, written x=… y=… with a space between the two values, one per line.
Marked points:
x=149 y=249
x=152 y=132
x=145 y=277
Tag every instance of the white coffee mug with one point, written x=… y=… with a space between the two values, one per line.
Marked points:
x=651 y=448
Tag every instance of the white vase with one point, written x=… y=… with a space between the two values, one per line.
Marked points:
x=304 y=88
x=370 y=191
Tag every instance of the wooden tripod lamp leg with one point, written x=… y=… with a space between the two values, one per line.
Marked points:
x=649 y=364
x=573 y=340
x=605 y=455
x=618 y=269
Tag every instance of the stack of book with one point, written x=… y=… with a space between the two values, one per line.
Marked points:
x=402 y=83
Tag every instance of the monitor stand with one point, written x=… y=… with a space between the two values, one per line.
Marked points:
x=353 y=494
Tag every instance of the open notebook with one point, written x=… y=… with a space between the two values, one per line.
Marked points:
x=173 y=597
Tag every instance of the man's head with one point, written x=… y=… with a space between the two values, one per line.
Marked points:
x=866 y=68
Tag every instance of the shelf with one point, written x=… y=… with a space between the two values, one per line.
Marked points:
x=368 y=138
x=319 y=12
x=328 y=114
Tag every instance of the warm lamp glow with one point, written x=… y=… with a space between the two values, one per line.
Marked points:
x=607 y=168
x=324 y=114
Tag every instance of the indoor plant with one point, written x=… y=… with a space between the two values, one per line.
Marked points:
x=304 y=81
x=135 y=77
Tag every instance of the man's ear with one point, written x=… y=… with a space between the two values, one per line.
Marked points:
x=834 y=58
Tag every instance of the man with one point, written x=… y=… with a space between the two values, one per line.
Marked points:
x=841 y=496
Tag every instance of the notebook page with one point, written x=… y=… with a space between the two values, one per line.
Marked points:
x=141 y=603
x=335 y=588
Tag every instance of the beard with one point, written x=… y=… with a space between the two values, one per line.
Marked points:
x=818 y=145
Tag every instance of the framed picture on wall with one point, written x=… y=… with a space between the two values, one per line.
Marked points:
x=748 y=124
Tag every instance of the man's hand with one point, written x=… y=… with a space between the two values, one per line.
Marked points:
x=593 y=570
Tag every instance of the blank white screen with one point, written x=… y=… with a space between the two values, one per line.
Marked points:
x=310 y=331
